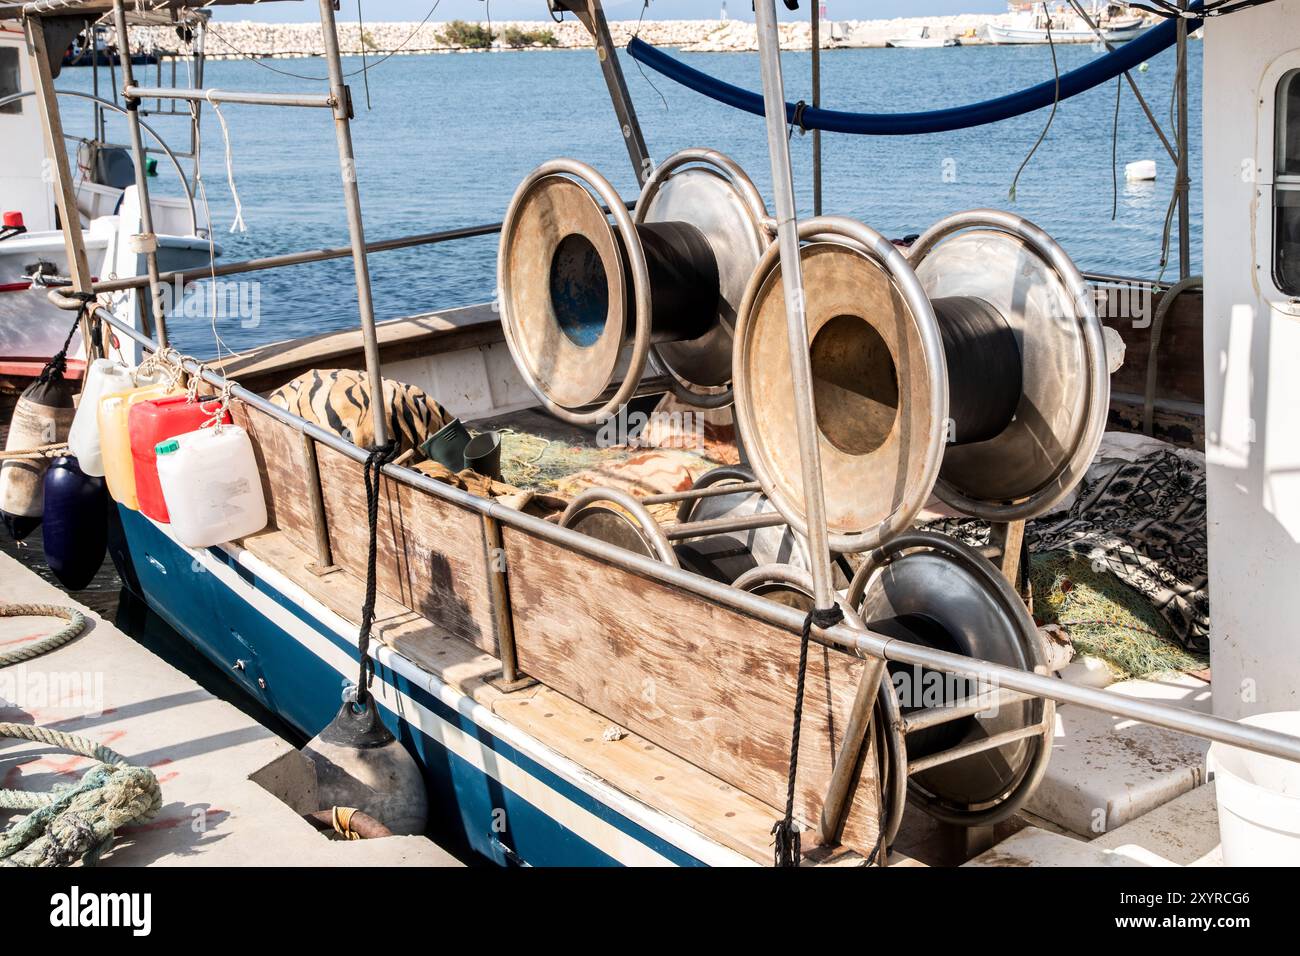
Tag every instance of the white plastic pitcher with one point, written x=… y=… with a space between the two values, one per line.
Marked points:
x=1259 y=799
x=211 y=485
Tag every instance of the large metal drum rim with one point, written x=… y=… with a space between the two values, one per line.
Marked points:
x=751 y=198
x=708 y=480
x=654 y=534
x=871 y=243
x=590 y=179
x=887 y=707
x=1053 y=491
x=1027 y=782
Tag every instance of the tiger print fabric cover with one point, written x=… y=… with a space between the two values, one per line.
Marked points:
x=339 y=400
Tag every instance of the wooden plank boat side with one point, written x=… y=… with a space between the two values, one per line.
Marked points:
x=712 y=686
x=1180 y=369
x=431 y=556
x=270 y=366
x=631 y=764
x=279 y=451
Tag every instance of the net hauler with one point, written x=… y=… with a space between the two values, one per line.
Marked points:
x=667 y=279
x=973 y=367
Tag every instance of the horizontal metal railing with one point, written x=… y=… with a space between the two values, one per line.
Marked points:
x=860 y=642
x=318 y=100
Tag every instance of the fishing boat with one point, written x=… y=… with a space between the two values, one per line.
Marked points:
x=920 y=39
x=1031 y=23
x=33 y=254
x=613 y=678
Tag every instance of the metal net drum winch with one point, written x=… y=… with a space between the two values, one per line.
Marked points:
x=586 y=301
x=973 y=367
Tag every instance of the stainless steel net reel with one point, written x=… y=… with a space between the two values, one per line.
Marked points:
x=725 y=526
x=973 y=753
x=665 y=279
x=1028 y=378
x=974 y=367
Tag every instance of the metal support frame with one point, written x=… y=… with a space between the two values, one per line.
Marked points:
x=816 y=29
x=356 y=229
x=148 y=242
x=591 y=14
x=324 y=562
x=787 y=230
x=510 y=679
x=1182 y=186
x=74 y=242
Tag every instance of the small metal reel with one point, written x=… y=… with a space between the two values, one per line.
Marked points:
x=1028 y=379
x=576 y=290
x=879 y=383
x=725 y=555
x=616 y=517
x=928 y=589
x=793 y=587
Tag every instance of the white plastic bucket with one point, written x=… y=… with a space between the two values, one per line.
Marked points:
x=1259 y=799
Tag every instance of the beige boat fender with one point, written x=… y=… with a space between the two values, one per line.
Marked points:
x=42 y=416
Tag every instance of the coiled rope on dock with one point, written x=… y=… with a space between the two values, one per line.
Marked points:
x=70 y=823
x=75 y=823
x=76 y=624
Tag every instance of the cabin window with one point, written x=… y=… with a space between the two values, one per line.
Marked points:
x=10 y=79
x=1286 y=186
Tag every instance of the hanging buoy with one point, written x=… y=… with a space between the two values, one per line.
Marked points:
x=41 y=417
x=360 y=764
x=76 y=525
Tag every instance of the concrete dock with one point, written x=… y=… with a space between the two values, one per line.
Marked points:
x=225 y=778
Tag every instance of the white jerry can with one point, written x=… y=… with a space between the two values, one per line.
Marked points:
x=211 y=485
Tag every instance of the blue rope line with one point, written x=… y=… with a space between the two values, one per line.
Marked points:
x=1078 y=81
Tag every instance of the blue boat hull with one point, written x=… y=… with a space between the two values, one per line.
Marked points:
x=511 y=799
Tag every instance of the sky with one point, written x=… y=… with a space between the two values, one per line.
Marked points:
x=304 y=10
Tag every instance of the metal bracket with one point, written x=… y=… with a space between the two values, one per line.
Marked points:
x=521 y=682
x=591 y=15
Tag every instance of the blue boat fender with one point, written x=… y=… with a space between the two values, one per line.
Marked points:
x=76 y=523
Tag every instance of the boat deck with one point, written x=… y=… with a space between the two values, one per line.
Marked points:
x=218 y=767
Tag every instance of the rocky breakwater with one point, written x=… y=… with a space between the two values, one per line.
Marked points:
x=227 y=39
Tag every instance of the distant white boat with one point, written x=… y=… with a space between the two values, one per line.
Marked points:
x=1029 y=24
x=921 y=39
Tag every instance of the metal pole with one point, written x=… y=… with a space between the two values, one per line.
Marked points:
x=74 y=241
x=356 y=230
x=148 y=241
x=817 y=102
x=593 y=18
x=787 y=231
x=1183 y=186
x=851 y=639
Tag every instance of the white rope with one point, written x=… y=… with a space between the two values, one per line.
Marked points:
x=238 y=224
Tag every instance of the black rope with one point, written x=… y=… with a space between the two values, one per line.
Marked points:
x=58 y=362
x=799 y=109
x=371 y=470
x=786 y=843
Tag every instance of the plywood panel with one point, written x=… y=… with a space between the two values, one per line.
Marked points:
x=279 y=453
x=712 y=686
x=432 y=555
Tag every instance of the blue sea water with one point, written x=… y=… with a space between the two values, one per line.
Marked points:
x=445 y=139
